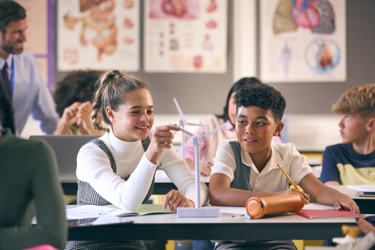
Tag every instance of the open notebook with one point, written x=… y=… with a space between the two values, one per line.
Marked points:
x=93 y=211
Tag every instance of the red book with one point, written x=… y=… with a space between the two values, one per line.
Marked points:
x=325 y=213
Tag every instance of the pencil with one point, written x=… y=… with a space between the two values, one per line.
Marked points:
x=287 y=176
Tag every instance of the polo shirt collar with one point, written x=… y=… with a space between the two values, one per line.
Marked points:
x=271 y=164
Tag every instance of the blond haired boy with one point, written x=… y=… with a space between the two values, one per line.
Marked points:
x=353 y=161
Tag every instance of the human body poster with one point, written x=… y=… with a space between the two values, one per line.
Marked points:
x=303 y=40
x=98 y=34
x=185 y=36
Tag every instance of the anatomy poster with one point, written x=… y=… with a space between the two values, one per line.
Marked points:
x=303 y=40
x=185 y=36
x=98 y=34
x=39 y=42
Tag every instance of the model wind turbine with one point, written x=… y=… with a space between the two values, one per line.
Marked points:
x=181 y=123
x=198 y=211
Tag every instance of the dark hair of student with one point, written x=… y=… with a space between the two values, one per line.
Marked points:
x=10 y=11
x=262 y=96
x=77 y=86
x=6 y=110
x=112 y=90
x=236 y=86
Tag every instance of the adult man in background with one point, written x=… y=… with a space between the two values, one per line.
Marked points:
x=20 y=72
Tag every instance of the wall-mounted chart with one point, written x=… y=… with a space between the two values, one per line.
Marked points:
x=303 y=40
x=185 y=36
x=98 y=34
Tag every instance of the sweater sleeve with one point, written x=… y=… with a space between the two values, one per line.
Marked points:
x=45 y=188
x=93 y=166
x=181 y=175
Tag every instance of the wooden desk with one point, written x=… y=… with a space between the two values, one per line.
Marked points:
x=169 y=227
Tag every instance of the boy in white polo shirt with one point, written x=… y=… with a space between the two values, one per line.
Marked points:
x=247 y=166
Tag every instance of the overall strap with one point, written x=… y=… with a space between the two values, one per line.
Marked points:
x=242 y=173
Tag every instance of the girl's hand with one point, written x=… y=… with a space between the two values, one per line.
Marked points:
x=175 y=199
x=162 y=138
x=205 y=168
x=83 y=115
x=344 y=201
x=68 y=118
x=306 y=197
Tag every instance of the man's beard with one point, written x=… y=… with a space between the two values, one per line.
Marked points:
x=11 y=50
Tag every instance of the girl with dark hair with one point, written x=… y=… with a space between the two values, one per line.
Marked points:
x=119 y=168
x=28 y=173
x=208 y=147
x=73 y=98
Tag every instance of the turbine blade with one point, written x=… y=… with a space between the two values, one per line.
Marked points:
x=187 y=132
x=194 y=124
x=178 y=109
x=211 y=132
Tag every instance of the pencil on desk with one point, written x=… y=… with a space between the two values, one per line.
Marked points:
x=287 y=176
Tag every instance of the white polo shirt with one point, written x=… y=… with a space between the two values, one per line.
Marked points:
x=270 y=179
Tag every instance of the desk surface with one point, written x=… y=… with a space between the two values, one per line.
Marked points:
x=168 y=226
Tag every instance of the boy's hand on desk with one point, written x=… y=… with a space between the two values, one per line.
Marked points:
x=306 y=197
x=344 y=201
x=175 y=199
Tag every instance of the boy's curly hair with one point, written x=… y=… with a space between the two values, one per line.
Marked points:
x=359 y=100
x=77 y=86
x=262 y=96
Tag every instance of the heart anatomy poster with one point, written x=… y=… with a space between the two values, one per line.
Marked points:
x=303 y=40
x=98 y=34
x=185 y=36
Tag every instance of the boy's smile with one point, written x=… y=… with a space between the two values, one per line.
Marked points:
x=255 y=128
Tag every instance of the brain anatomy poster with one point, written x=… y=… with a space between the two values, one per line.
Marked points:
x=303 y=40
x=185 y=36
x=98 y=34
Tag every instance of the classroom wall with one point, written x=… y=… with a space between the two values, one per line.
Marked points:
x=201 y=93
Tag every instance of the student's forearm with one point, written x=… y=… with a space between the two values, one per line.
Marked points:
x=327 y=195
x=234 y=197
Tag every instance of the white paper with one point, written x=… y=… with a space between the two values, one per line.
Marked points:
x=93 y=211
x=364 y=188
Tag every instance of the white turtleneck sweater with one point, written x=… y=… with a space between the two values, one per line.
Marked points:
x=93 y=166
